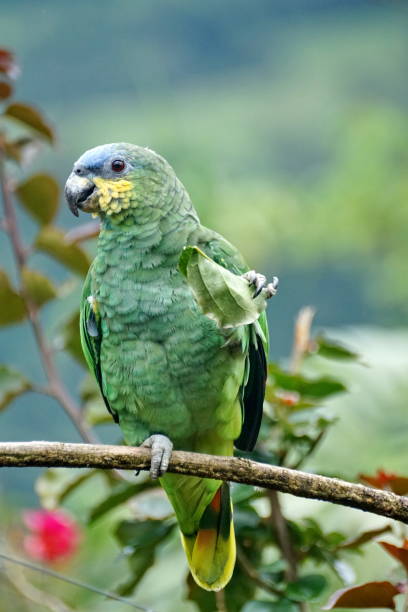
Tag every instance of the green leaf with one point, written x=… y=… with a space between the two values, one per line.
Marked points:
x=96 y=413
x=138 y=564
x=306 y=588
x=141 y=538
x=222 y=296
x=52 y=241
x=238 y=591
x=94 y=410
x=241 y=493
x=119 y=495
x=142 y=534
x=12 y=384
x=38 y=287
x=39 y=195
x=72 y=341
x=368 y=595
x=317 y=388
x=31 y=117
x=204 y=600
x=55 y=484
x=12 y=304
x=275 y=568
x=282 y=605
x=89 y=389
x=333 y=349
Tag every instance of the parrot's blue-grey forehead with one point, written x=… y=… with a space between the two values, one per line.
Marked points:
x=95 y=159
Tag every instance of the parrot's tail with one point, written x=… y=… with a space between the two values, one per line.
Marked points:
x=211 y=551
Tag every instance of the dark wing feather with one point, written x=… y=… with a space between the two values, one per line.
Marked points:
x=253 y=396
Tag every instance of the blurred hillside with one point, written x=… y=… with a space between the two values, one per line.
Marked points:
x=281 y=118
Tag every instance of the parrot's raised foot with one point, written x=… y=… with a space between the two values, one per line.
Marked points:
x=261 y=285
x=162 y=448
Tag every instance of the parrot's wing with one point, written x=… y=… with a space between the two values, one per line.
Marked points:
x=255 y=342
x=91 y=337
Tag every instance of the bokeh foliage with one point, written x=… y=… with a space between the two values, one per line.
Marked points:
x=282 y=564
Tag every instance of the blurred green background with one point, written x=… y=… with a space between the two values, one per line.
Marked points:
x=287 y=122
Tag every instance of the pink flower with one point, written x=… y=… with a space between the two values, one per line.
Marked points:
x=54 y=535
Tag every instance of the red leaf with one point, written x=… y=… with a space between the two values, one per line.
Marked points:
x=399 y=485
x=5 y=90
x=364 y=537
x=398 y=552
x=8 y=65
x=388 y=481
x=368 y=595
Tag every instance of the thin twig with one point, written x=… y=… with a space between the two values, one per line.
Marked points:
x=310 y=450
x=83 y=232
x=251 y=572
x=301 y=344
x=234 y=469
x=56 y=386
x=29 y=591
x=220 y=601
x=301 y=339
x=73 y=581
x=283 y=536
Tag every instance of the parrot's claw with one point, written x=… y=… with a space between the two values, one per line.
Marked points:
x=260 y=284
x=162 y=448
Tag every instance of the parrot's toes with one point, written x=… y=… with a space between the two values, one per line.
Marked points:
x=271 y=289
x=261 y=285
x=162 y=448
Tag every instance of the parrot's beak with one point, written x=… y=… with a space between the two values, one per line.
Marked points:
x=79 y=192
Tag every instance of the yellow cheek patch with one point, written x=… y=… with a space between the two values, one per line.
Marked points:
x=114 y=195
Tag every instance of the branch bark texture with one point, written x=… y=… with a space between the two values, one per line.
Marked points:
x=233 y=469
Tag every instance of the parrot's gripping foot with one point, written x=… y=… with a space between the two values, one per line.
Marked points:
x=162 y=448
x=261 y=285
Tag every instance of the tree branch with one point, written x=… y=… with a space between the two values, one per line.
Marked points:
x=234 y=469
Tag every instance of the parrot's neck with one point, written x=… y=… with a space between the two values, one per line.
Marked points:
x=149 y=228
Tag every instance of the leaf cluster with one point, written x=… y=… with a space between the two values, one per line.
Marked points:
x=37 y=195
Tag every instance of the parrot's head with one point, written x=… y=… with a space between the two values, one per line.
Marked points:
x=113 y=179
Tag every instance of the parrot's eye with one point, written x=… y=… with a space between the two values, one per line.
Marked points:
x=118 y=165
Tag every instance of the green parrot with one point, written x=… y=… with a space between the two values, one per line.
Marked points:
x=168 y=374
